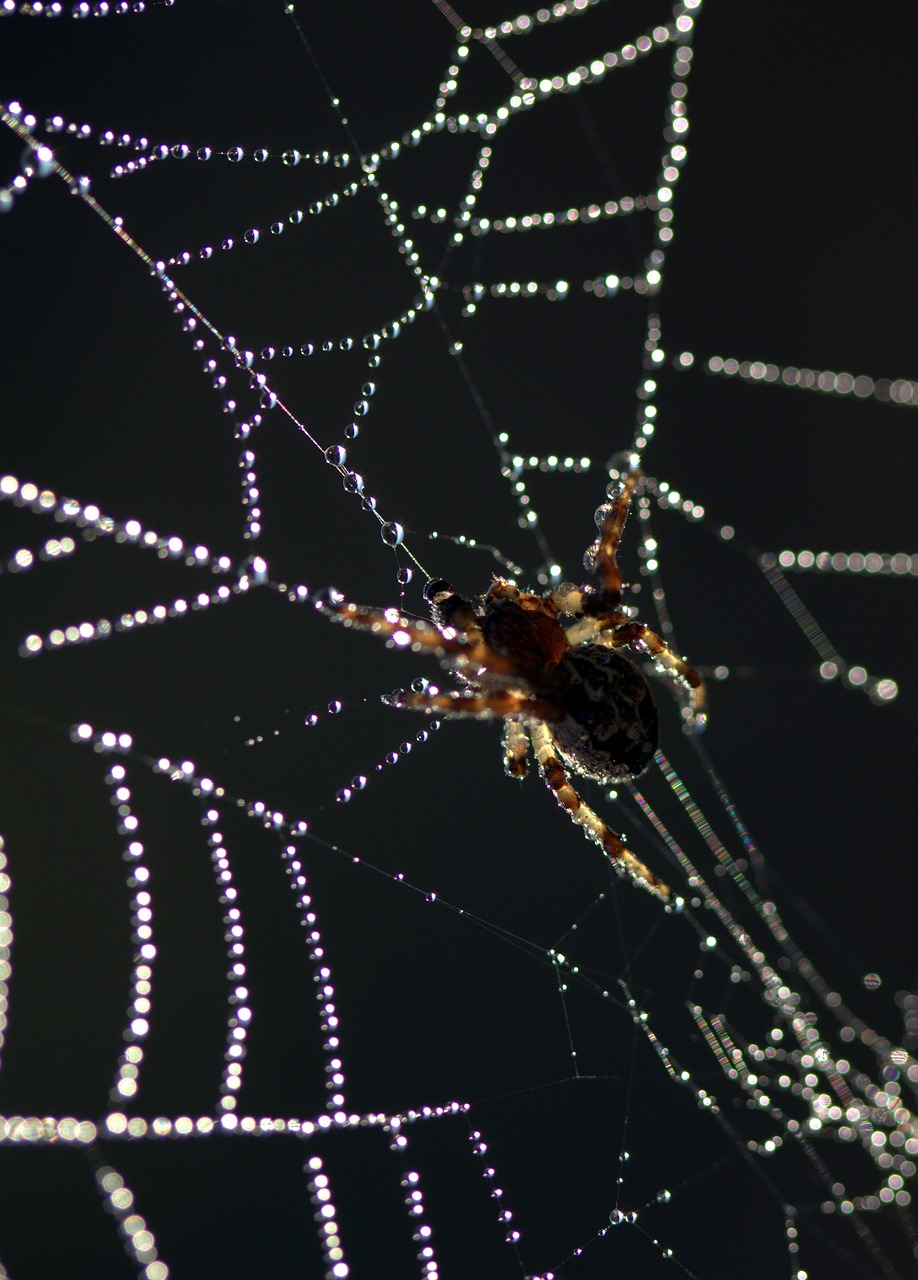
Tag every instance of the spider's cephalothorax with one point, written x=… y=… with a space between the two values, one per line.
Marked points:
x=550 y=667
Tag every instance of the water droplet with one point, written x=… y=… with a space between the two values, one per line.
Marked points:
x=353 y=482
x=343 y=795
x=307 y=349
x=368 y=389
x=291 y=157
x=352 y=431
x=404 y=576
x=620 y=464
x=335 y=454
x=392 y=534
x=311 y=720
x=359 y=782
x=251 y=236
x=334 y=707
x=405 y=748
x=872 y=981
x=38 y=160
x=235 y=154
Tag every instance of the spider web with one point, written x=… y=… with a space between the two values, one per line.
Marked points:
x=297 y=983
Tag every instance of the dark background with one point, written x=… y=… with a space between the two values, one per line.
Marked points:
x=794 y=244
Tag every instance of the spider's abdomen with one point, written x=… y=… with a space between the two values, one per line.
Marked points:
x=610 y=732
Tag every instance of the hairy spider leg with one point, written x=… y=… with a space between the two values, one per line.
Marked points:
x=606 y=565
x=516 y=749
x=637 y=632
x=624 y=861
x=485 y=704
x=466 y=650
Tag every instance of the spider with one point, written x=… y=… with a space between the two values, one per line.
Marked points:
x=551 y=668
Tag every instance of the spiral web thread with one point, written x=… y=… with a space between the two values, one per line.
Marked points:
x=818 y=1071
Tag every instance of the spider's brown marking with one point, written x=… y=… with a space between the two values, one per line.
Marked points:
x=610 y=732
x=521 y=631
x=549 y=667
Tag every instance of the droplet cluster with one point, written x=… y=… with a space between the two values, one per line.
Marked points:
x=165 y=151
x=46 y=1130
x=239 y=1016
x=421 y=1230
x=37 y=160
x=898 y=391
x=504 y=1214
x=137 y=1026
x=140 y=1241
x=324 y=1215
x=99 y=9
x=896 y=564
x=289 y=221
x=329 y=1021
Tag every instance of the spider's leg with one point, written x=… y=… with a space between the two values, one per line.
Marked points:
x=485 y=704
x=624 y=861
x=610 y=520
x=516 y=749
x=468 y=649
x=638 y=633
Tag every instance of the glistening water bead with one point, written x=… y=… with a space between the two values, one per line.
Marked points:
x=392 y=534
